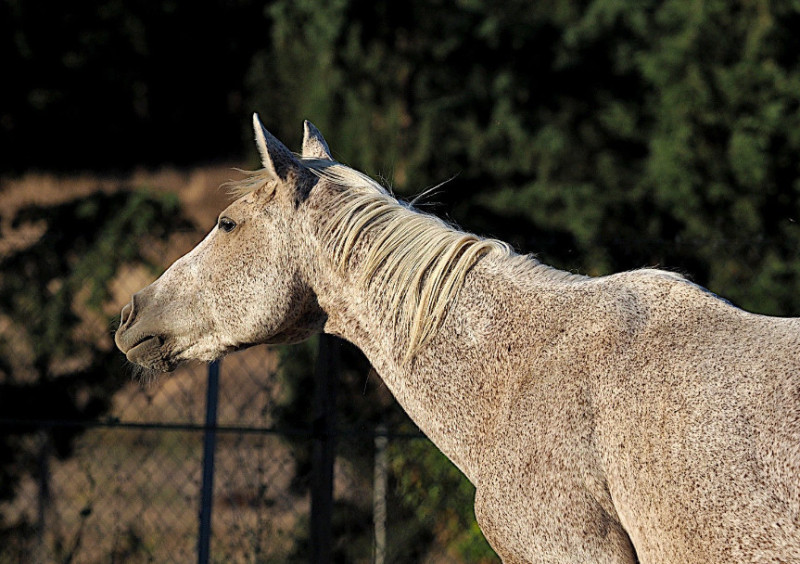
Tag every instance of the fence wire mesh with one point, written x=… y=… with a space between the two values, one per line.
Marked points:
x=130 y=489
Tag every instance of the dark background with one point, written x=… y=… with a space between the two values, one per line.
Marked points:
x=602 y=135
x=605 y=135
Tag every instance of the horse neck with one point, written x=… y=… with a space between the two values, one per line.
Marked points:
x=448 y=388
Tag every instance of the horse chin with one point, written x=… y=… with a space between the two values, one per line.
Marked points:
x=151 y=355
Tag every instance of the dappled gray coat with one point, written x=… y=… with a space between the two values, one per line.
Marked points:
x=634 y=416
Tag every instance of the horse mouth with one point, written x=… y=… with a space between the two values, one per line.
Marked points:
x=149 y=352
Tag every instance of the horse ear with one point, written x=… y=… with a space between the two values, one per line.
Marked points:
x=275 y=156
x=314 y=145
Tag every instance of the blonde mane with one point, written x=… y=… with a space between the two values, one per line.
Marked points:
x=414 y=260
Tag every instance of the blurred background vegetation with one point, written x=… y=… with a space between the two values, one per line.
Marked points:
x=602 y=135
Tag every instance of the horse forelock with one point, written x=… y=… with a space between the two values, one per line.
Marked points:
x=253 y=180
x=332 y=171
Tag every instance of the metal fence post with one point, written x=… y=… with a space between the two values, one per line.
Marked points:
x=380 y=486
x=323 y=449
x=209 y=445
x=44 y=498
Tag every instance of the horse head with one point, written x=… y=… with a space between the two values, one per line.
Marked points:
x=246 y=282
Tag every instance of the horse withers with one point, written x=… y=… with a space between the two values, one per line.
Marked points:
x=632 y=417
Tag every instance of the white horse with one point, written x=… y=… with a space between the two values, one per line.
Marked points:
x=615 y=419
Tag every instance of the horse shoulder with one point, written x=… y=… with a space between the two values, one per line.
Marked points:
x=698 y=426
x=639 y=403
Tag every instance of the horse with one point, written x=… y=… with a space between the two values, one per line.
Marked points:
x=635 y=417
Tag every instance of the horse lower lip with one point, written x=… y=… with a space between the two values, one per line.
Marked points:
x=149 y=353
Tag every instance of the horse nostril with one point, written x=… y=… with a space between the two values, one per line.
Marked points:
x=128 y=312
x=127 y=309
x=131 y=310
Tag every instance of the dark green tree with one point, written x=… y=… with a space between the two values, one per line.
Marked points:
x=602 y=135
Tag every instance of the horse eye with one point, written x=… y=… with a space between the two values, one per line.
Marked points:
x=226 y=224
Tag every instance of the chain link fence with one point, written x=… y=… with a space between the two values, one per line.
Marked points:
x=132 y=488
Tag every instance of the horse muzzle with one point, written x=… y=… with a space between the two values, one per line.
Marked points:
x=140 y=340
